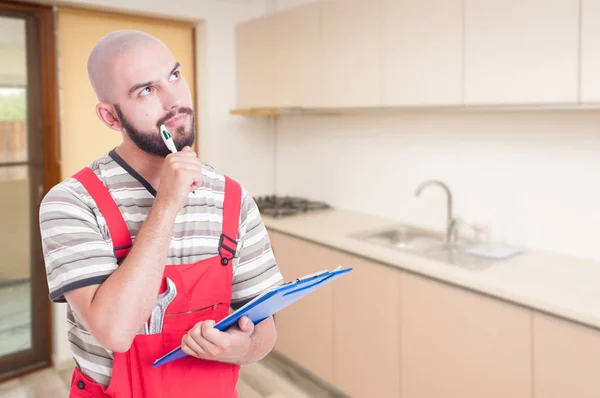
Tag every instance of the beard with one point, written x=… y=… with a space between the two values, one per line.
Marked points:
x=151 y=142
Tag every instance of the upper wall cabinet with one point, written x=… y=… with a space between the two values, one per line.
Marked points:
x=358 y=53
x=298 y=57
x=255 y=63
x=351 y=47
x=590 y=51
x=521 y=51
x=422 y=52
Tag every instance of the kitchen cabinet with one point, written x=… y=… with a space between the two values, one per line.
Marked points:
x=366 y=315
x=387 y=53
x=351 y=48
x=422 y=55
x=305 y=328
x=346 y=333
x=521 y=52
x=298 y=57
x=455 y=343
x=566 y=359
x=590 y=51
x=255 y=63
x=386 y=332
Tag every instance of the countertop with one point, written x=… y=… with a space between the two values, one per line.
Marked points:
x=557 y=284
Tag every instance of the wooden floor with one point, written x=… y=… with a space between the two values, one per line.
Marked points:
x=268 y=379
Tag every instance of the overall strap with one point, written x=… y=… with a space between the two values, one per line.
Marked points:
x=117 y=227
x=231 y=217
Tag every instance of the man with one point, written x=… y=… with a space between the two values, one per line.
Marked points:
x=140 y=219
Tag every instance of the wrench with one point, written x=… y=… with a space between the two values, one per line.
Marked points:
x=162 y=302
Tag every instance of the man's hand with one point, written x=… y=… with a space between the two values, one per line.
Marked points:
x=181 y=174
x=205 y=342
x=241 y=344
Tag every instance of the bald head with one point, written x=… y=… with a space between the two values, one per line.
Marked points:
x=102 y=62
x=140 y=86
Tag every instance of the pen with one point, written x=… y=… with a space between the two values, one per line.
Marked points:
x=166 y=137
x=164 y=133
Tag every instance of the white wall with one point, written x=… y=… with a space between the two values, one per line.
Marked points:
x=240 y=147
x=531 y=175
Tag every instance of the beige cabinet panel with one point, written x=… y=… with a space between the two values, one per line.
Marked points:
x=351 y=48
x=298 y=58
x=521 y=51
x=255 y=63
x=305 y=328
x=590 y=51
x=459 y=344
x=366 y=328
x=566 y=359
x=422 y=52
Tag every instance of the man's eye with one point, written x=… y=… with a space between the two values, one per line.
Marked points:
x=175 y=75
x=146 y=91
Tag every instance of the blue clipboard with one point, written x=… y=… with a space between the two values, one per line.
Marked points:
x=267 y=304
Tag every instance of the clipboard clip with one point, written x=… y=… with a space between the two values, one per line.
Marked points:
x=309 y=276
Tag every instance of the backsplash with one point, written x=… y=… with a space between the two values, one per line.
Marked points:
x=530 y=175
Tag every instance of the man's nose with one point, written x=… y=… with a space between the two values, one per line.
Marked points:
x=171 y=100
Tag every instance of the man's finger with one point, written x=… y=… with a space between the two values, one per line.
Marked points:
x=184 y=154
x=190 y=347
x=200 y=337
x=246 y=325
x=216 y=337
x=187 y=148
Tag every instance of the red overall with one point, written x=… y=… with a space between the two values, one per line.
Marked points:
x=203 y=292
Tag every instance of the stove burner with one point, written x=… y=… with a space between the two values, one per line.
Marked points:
x=279 y=206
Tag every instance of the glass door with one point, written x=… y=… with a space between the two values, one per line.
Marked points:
x=24 y=309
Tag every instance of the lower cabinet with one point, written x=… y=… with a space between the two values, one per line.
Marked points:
x=566 y=359
x=345 y=333
x=460 y=344
x=383 y=332
x=305 y=328
x=366 y=315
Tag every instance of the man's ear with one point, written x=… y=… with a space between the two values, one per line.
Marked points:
x=108 y=116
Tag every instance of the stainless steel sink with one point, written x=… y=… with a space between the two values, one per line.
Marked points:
x=403 y=237
x=456 y=254
x=426 y=243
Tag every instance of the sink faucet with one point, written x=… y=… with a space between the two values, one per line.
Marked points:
x=451 y=221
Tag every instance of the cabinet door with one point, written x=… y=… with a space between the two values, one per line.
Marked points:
x=590 y=51
x=422 y=52
x=521 y=51
x=566 y=359
x=255 y=63
x=367 y=329
x=351 y=53
x=459 y=344
x=298 y=60
x=305 y=328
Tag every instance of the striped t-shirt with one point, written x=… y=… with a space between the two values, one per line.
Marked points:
x=78 y=251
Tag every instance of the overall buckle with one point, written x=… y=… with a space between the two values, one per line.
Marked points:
x=232 y=250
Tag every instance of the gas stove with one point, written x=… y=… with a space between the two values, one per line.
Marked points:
x=280 y=206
